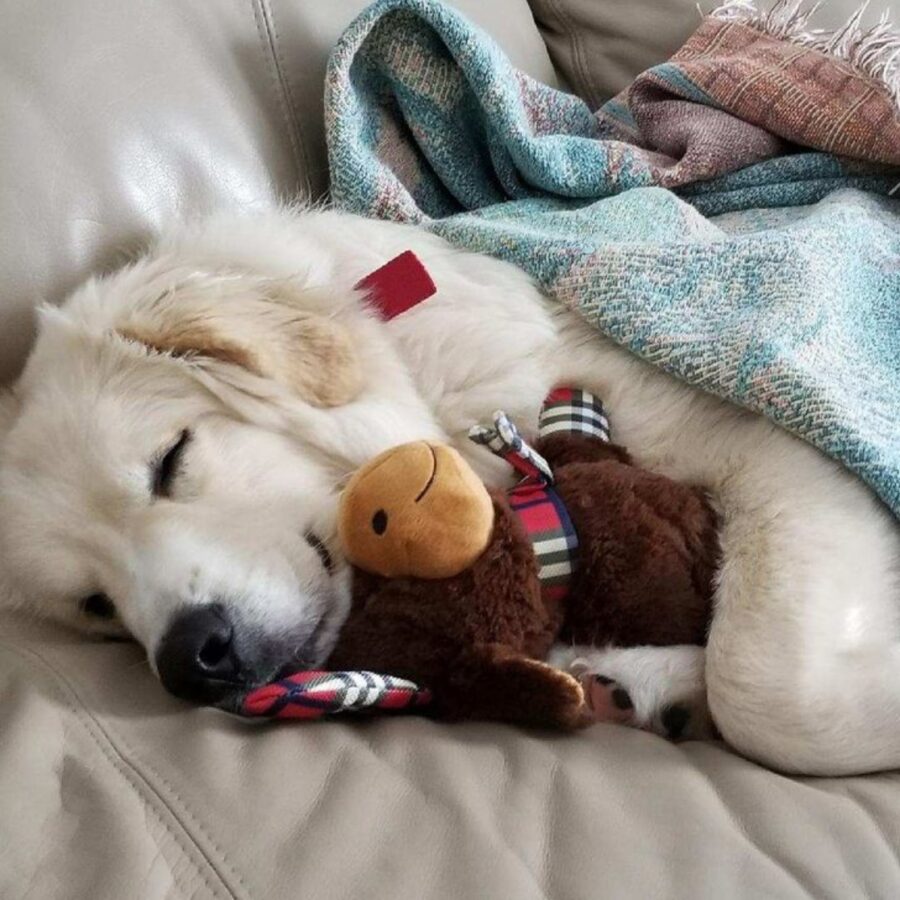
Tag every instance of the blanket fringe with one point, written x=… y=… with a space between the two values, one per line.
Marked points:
x=874 y=50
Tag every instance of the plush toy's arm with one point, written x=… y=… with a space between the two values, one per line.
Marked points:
x=492 y=681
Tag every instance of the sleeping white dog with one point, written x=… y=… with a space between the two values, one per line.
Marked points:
x=182 y=428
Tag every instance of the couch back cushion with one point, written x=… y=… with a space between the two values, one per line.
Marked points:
x=119 y=115
x=599 y=46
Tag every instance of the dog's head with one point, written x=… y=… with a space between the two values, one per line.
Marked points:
x=155 y=481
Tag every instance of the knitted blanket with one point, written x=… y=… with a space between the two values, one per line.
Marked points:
x=729 y=217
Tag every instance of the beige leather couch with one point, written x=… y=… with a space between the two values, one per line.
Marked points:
x=117 y=115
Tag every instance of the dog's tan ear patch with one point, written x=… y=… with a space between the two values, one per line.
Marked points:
x=192 y=341
x=328 y=371
x=271 y=337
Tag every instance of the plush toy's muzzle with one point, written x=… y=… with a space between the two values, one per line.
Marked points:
x=417 y=510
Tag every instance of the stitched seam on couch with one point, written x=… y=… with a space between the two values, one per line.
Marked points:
x=152 y=798
x=588 y=89
x=268 y=33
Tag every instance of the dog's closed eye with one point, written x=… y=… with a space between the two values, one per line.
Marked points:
x=318 y=545
x=165 y=469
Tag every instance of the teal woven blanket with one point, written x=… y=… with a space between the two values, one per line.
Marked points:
x=683 y=220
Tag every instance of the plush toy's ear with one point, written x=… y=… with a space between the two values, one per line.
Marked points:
x=264 y=327
x=418 y=510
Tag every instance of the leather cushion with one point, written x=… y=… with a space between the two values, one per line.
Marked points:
x=109 y=788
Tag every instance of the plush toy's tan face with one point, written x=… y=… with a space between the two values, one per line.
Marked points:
x=417 y=510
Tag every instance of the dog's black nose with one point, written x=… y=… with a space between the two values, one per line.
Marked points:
x=197 y=659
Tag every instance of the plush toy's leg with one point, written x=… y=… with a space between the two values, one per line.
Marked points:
x=573 y=428
x=493 y=682
x=489 y=681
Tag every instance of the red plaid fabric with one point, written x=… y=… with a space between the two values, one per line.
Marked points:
x=543 y=515
x=311 y=695
x=539 y=507
x=574 y=412
x=505 y=441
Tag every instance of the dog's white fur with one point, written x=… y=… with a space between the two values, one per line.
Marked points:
x=803 y=663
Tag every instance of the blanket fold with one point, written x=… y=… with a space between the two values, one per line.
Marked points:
x=728 y=218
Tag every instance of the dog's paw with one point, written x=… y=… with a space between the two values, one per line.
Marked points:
x=606 y=699
x=664 y=686
x=687 y=719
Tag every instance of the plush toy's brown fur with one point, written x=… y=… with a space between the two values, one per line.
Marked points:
x=648 y=549
x=647 y=558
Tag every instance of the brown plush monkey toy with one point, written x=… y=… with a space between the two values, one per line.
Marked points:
x=465 y=590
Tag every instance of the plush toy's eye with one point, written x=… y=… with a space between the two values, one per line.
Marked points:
x=379 y=522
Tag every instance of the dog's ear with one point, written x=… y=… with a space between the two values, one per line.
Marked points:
x=264 y=327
